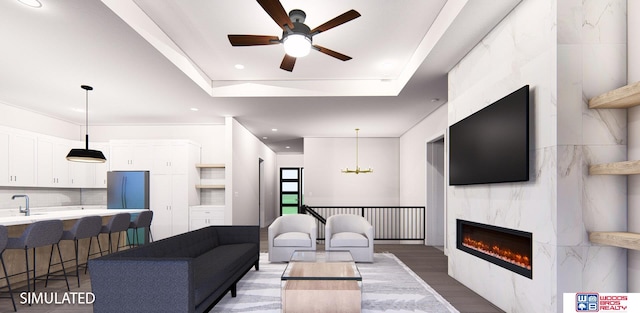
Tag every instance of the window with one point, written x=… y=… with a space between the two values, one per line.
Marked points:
x=290 y=190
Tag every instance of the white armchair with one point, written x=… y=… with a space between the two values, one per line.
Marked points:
x=289 y=233
x=350 y=232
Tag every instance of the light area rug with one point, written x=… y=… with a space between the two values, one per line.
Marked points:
x=388 y=285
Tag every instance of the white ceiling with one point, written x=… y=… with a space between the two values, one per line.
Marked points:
x=151 y=61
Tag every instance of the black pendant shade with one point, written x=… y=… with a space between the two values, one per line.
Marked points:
x=86 y=155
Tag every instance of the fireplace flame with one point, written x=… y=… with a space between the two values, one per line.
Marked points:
x=498 y=252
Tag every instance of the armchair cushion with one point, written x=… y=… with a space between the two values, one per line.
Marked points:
x=349 y=239
x=292 y=239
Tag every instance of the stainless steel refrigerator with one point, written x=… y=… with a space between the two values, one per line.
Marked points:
x=128 y=190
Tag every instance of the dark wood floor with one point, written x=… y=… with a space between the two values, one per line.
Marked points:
x=427 y=262
x=430 y=264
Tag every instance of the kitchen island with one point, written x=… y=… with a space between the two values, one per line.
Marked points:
x=16 y=224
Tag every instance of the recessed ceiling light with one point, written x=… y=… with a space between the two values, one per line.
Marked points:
x=194 y=109
x=265 y=137
x=31 y=3
x=287 y=147
x=239 y=66
x=274 y=129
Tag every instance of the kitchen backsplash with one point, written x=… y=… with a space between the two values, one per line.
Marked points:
x=43 y=197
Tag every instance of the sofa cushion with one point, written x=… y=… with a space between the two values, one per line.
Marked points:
x=349 y=239
x=213 y=268
x=292 y=239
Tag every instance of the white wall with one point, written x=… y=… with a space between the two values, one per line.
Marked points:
x=413 y=156
x=413 y=174
x=633 y=152
x=246 y=152
x=11 y=116
x=290 y=160
x=326 y=185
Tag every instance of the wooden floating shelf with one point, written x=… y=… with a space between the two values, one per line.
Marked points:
x=616 y=239
x=617 y=168
x=201 y=165
x=210 y=186
x=621 y=98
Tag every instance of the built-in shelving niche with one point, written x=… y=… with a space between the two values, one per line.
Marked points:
x=621 y=98
x=212 y=177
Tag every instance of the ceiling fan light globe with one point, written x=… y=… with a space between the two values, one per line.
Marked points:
x=297 y=45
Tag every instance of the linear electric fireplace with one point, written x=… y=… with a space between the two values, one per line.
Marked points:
x=509 y=248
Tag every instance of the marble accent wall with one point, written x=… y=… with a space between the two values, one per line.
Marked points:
x=592 y=60
x=567 y=51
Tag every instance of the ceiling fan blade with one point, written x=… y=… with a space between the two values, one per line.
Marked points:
x=339 y=20
x=276 y=11
x=252 y=40
x=287 y=63
x=332 y=53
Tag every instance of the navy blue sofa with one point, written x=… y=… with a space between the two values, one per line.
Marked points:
x=186 y=273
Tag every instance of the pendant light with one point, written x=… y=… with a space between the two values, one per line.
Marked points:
x=357 y=170
x=86 y=155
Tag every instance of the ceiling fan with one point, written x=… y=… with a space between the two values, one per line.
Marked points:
x=296 y=36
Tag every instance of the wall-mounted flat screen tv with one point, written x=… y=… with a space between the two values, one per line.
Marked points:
x=492 y=145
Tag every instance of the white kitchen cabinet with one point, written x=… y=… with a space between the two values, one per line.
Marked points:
x=4 y=158
x=170 y=204
x=101 y=169
x=172 y=194
x=170 y=157
x=205 y=215
x=60 y=163
x=82 y=175
x=21 y=159
x=30 y=159
x=131 y=156
x=53 y=167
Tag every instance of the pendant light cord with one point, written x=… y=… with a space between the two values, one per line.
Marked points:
x=86 y=116
x=86 y=119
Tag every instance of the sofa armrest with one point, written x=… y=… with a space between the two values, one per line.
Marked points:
x=142 y=285
x=238 y=234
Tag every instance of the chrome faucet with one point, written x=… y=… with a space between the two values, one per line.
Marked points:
x=26 y=210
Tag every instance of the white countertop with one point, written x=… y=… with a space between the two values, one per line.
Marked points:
x=61 y=213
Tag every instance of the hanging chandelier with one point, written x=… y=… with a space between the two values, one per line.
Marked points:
x=86 y=155
x=357 y=170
